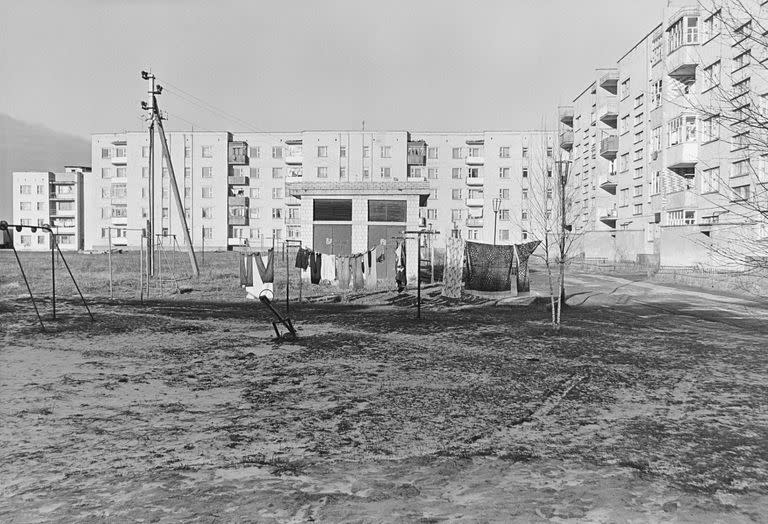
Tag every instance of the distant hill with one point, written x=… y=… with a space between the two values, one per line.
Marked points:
x=32 y=147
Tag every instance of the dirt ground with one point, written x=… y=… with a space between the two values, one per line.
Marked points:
x=185 y=409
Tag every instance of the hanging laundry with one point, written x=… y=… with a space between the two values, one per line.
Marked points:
x=489 y=267
x=306 y=274
x=315 y=266
x=264 y=271
x=371 y=278
x=246 y=270
x=454 y=258
x=343 y=272
x=357 y=272
x=523 y=252
x=400 y=276
x=302 y=258
x=328 y=269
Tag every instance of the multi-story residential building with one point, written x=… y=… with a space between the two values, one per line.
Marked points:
x=338 y=191
x=681 y=174
x=46 y=198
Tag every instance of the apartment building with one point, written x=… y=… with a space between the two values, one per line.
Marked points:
x=47 y=198
x=680 y=174
x=339 y=191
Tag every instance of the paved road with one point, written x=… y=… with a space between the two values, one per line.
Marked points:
x=649 y=299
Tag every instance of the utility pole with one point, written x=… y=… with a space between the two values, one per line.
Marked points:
x=151 y=252
x=158 y=119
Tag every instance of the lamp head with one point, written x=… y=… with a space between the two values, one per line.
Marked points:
x=145 y=75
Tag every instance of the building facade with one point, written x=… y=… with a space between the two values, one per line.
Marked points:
x=46 y=198
x=261 y=189
x=662 y=144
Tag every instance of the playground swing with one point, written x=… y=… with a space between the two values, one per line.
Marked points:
x=55 y=249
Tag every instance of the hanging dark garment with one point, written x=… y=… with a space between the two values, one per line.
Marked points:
x=400 y=277
x=267 y=273
x=302 y=258
x=315 y=264
x=524 y=252
x=488 y=267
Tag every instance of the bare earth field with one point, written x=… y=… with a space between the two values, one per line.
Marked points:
x=185 y=409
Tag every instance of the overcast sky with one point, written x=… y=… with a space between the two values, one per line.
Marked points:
x=292 y=65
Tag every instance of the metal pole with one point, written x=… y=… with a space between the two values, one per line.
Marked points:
x=29 y=289
x=287 y=282
x=495 y=215
x=53 y=274
x=109 y=236
x=75 y=282
x=418 y=276
x=141 y=270
x=151 y=253
x=148 y=239
x=562 y=233
x=432 y=260
x=202 y=253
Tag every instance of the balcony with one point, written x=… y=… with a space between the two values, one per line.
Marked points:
x=55 y=212
x=474 y=160
x=62 y=196
x=292 y=221
x=475 y=202
x=293 y=201
x=566 y=139
x=607 y=182
x=610 y=81
x=120 y=160
x=475 y=181
x=609 y=147
x=565 y=114
x=475 y=222
x=238 y=201
x=237 y=153
x=608 y=215
x=608 y=112
x=237 y=220
x=119 y=241
x=119 y=221
x=294 y=159
x=682 y=158
x=237 y=241
x=237 y=180
x=682 y=62
x=417 y=153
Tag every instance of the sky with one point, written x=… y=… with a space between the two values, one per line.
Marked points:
x=74 y=66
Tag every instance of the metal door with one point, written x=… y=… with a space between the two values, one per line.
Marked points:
x=332 y=239
x=384 y=236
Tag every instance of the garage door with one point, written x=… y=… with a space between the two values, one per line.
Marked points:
x=332 y=239
x=384 y=235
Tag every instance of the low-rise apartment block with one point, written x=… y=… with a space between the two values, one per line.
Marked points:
x=47 y=198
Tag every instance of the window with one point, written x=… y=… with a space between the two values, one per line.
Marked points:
x=455 y=194
x=207 y=172
x=656 y=44
x=656 y=183
x=638 y=172
x=255 y=213
x=524 y=234
x=504 y=215
x=322 y=151
x=681 y=217
x=432 y=214
x=255 y=173
x=525 y=152
x=207 y=151
x=366 y=173
x=342 y=151
x=106 y=172
x=457 y=214
x=637 y=209
x=638 y=154
x=740 y=193
x=456 y=172
x=624 y=162
x=164 y=193
x=657 y=89
x=525 y=172
x=385 y=172
x=624 y=197
x=277 y=172
x=165 y=172
x=208 y=233
x=549 y=152
x=624 y=89
x=681 y=129
x=338 y=210
x=25 y=189
x=432 y=153
x=342 y=172
x=504 y=172
x=549 y=194
x=415 y=172
x=26 y=240
x=187 y=173
x=256 y=192
x=277 y=152
x=740 y=168
x=121 y=172
x=524 y=194
x=366 y=151
x=711 y=26
x=322 y=172
x=683 y=32
x=206 y=212
x=472 y=234
x=638 y=119
x=207 y=192
x=741 y=88
x=504 y=194
x=164 y=212
x=433 y=194
x=277 y=193
x=740 y=141
x=638 y=192
x=710 y=180
x=432 y=173
x=742 y=60
x=386 y=152
x=106 y=152
x=711 y=76
x=504 y=152
x=456 y=153
x=277 y=212
x=624 y=124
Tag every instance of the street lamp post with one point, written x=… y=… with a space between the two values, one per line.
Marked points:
x=563 y=166
x=496 y=207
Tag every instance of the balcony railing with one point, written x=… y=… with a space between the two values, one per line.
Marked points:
x=474 y=160
x=237 y=180
x=566 y=139
x=565 y=114
x=475 y=222
x=609 y=147
x=682 y=158
x=608 y=215
x=682 y=62
x=610 y=81
x=475 y=181
x=238 y=201
x=294 y=159
x=475 y=202
x=608 y=112
x=607 y=182
x=237 y=220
